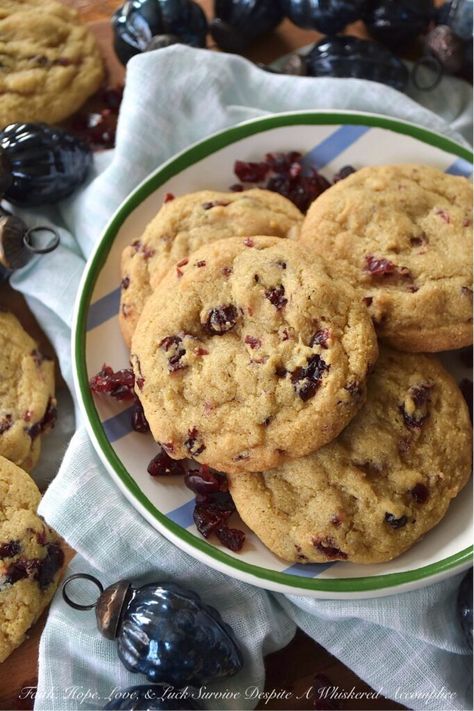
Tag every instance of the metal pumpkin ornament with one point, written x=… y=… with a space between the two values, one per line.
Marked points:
x=163 y=631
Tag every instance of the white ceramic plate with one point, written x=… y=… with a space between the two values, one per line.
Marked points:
x=329 y=141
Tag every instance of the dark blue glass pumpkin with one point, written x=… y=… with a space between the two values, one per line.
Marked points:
x=165 y=632
x=398 y=22
x=136 y=22
x=326 y=16
x=239 y=22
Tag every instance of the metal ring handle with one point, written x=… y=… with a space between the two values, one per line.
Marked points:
x=428 y=61
x=80 y=576
x=27 y=241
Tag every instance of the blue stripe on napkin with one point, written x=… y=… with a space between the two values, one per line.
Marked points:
x=460 y=167
x=333 y=145
x=183 y=515
x=103 y=309
x=313 y=570
x=119 y=425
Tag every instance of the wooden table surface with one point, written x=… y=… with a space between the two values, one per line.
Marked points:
x=294 y=667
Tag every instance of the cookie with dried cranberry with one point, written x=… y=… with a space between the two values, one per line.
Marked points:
x=188 y=222
x=27 y=403
x=31 y=557
x=50 y=62
x=402 y=235
x=386 y=480
x=250 y=355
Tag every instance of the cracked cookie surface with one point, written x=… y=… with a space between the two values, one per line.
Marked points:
x=31 y=557
x=49 y=62
x=382 y=484
x=27 y=402
x=402 y=236
x=188 y=222
x=250 y=355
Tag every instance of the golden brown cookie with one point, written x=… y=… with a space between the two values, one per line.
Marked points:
x=386 y=480
x=250 y=355
x=31 y=557
x=27 y=402
x=402 y=235
x=50 y=62
x=188 y=222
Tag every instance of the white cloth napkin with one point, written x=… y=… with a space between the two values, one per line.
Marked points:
x=409 y=647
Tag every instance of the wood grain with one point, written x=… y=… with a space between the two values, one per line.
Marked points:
x=292 y=669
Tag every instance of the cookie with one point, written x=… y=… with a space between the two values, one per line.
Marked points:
x=50 y=62
x=402 y=235
x=386 y=480
x=27 y=403
x=31 y=557
x=250 y=354
x=186 y=223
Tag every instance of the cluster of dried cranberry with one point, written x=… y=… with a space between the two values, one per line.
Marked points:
x=120 y=385
x=285 y=173
x=98 y=128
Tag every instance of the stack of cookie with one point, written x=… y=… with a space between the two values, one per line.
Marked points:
x=30 y=553
x=263 y=345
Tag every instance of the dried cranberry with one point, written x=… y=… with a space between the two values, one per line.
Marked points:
x=194 y=443
x=276 y=296
x=201 y=263
x=163 y=465
x=125 y=283
x=173 y=344
x=49 y=566
x=226 y=271
x=379 y=266
x=221 y=320
x=214 y=203
x=253 y=342
x=395 y=522
x=282 y=162
x=138 y=419
x=204 y=481
x=343 y=172
x=38 y=357
x=420 y=396
x=327 y=547
x=444 y=215
x=10 y=549
x=306 y=380
x=232 y=538
x=112 y=97
x=99 y=128
x=118 y=385
x=237 y=188
x=208 y=518
x=169 y=197
x=280 y=371
x=16 y=571
x=420 y=493
x=248 y=241
x=5 y=423
x=320 y=338
x=50 y=416
x=248 y=172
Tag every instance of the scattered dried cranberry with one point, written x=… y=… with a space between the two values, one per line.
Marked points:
x=221 y=320
x=232 y=538
x=10 y=549
x=344 y=172
x=205 y=481
x=420 y=493
x=163 y=465
x=214 y=203
x=395 y=522
x=276 y=296
x=327 y=547
x=208 y=518
x=306 y=380
x=173 y=346
x=251 y=172
x=420 y=395
x=444 y=215
x=320 y=338
x=138 y=419
x=201 y=263
x=118 y=385
x=169 y=197
x=379 y=266
x=125 y=283
x=16 y=571
x=194 y=443
x=49 y=566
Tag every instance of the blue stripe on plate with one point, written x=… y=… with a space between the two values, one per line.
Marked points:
x=460 y=167
x=183 y=515
x=103 y=309
x=313 y=570
x=333 y=145
x=119 y=425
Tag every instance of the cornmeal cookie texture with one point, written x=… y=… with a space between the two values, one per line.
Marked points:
x=386 y=480
x=27 y=402
x=50 y=61
x=402 y=235
x=31 y=557
x=188 y=222
x=249 y=355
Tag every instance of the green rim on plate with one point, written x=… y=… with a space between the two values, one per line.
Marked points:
x=171 y=168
